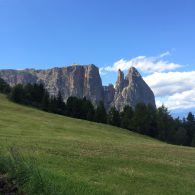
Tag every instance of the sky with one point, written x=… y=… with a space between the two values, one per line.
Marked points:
x=155 y=36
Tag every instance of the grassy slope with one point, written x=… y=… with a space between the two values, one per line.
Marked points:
x=82 y=157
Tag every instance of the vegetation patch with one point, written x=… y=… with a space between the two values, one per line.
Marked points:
x=19 y=174
x=8 y=186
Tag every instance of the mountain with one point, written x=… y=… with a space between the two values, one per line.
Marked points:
x=84 y=81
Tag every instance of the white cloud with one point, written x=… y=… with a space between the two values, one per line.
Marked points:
x=171 y=82
x=184 y=100
x=143 y=63
x=177 y=87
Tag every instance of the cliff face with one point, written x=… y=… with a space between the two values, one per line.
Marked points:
x=85 y=81
x=132 y=90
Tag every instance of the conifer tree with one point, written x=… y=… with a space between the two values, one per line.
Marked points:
x=100 y=113
x=4 y=87
x=114 y=117
x=140 y=121
x=126 y=117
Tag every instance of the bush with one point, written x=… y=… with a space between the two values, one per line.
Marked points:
x=24 y=173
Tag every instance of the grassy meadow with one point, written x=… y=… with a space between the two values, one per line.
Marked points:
x=81 y=157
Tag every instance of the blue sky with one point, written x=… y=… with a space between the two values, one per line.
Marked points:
x=48 y=33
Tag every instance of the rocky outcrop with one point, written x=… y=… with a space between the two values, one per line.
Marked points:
x=84 y=81
x=132 y=90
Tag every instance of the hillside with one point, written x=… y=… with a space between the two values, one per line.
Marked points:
x=81 y=157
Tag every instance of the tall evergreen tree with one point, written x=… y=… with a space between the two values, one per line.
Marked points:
x=61 y=106
x=126 y=117
x=190 y=117
x=73 y=106
x=88 y=110
x=53 y=107
x=17 y=94
x=181 y=136
x=140 y=121
x=165 y=124
x=114 y=117
x=190 y=127
x=100 y=113
x=193 y=142
x=152 y=124
x=4 y=87
x=45 y=101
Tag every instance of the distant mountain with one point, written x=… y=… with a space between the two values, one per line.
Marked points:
x=84 y=81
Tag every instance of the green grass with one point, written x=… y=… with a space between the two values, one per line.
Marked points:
x=81 y=157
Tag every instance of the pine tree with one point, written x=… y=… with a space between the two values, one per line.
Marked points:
x=53 y=105
x=61 y=106
x=114 y=117
x=4 y=87
x=165 y=124
x=45 y=101
x=190 y=117
x=73 y=106
x=140 y=121
x=152 y=124
x=190 y=127
x=87 y=110
x=181 y=136
x=126 y=117
x=17 y=94
x=100 y=113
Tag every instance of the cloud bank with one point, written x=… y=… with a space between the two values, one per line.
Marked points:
x=143 y=63
x=175 y=89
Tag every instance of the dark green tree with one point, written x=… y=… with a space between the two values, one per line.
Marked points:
x=38 y=92
x=114 y=117
x=4 y=87
x=28 y=95
x=88 y=110
x=126 y=117
x=190 y=117
x=61 y=106
x=165 y=124
x=53 y=107
x=73 y=106
x=193 y=142
x=17 y=94
x=190 y=127
x=181 y=136
x=140 y=121
x=100 y=113
x=152 y=124
x=45 y=101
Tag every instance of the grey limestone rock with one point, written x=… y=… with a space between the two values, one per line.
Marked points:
x=132 y=90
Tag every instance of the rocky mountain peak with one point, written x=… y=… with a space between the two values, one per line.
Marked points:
x=120 y=76
x=132 y=72
x=132 y=90
x=120 y=81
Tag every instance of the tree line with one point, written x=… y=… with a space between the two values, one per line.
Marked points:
x=143 y=119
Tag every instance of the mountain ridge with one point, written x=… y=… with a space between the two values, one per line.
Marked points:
x=85 y=81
